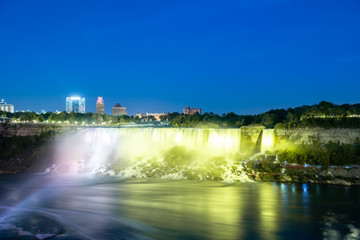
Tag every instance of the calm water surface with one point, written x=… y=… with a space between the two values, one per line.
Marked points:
x=85 y=207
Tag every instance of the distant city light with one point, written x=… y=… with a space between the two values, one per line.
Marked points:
x=6 y=107
x=75 y=98
x=75 y=104
x=100 y=105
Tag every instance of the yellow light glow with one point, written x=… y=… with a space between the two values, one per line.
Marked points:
x=268 y=140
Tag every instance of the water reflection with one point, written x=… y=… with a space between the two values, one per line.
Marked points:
x=269 y=207
x=206 y=211
x=113 y=208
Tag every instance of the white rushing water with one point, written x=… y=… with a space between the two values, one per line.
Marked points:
x=175 y=153
x=267 y=140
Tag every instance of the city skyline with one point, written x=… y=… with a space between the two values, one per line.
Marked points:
x=245 y=57
x=109 y=109
x=186 y=110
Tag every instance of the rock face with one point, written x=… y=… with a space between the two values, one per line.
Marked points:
x=339 y=182
x=26 y=147
x=346 y=173
x=251 y=138
x=309 y=135
x=29 y=129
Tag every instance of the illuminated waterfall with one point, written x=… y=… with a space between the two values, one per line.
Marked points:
x=267 y=140
x=152 y=152
x=217 y=141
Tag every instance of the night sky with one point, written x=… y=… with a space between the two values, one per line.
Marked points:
x=244 y=56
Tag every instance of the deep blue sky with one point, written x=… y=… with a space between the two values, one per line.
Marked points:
x=245 y=56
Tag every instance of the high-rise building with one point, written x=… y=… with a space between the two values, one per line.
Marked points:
x=6 y=107
x=118 y=110
x=186 y=110
x=100 y=105
x=75 y=104
x=195 y=110
x=191 y=111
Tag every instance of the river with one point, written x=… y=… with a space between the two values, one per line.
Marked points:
x=111 y=207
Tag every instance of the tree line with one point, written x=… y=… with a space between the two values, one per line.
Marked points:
x=324 y=114
x=72 y=117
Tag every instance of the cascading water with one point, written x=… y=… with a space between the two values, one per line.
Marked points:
x=213 y=154
x=267 y=140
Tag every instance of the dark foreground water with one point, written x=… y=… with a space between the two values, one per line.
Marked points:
x=113 y=208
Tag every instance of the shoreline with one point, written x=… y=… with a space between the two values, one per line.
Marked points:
x=284 y=179
x=336 y=175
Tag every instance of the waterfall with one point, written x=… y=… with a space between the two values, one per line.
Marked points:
x=152 y=152
x=216 y=141
x=267 y=140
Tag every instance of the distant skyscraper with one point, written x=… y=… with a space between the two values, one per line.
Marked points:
x=118 y=110
x=75 y=104
x=186 y=110
x=6 y=107
x=195 y=110
x=100 y=105
x=191 y=111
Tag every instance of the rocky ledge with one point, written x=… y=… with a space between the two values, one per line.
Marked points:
x=336 y=175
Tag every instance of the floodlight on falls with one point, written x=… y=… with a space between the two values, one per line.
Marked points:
x=156 y=152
